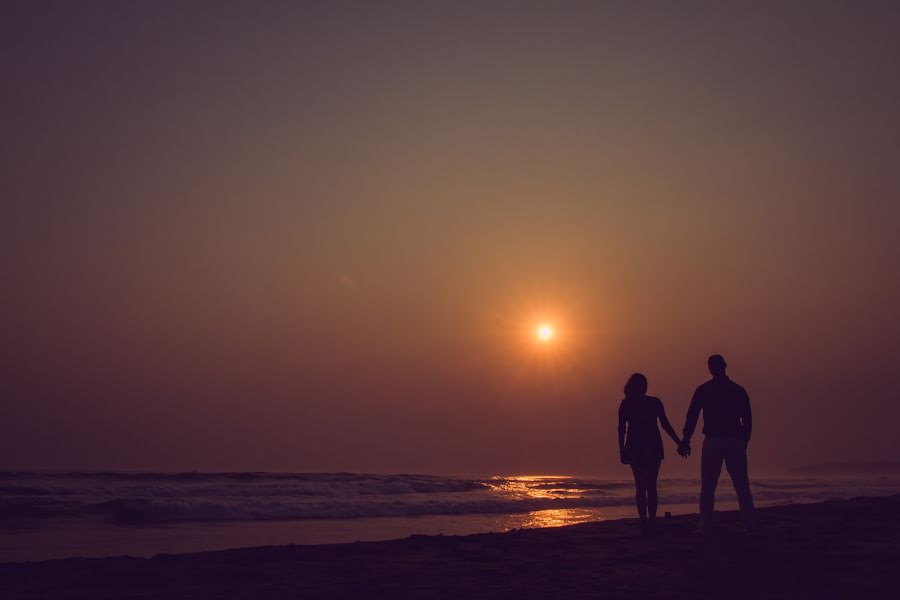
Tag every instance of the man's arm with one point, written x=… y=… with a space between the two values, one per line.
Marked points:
x=621 y=435
x=693 y=413
x=747 y=418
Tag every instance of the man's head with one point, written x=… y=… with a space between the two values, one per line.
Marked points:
x=717 y=365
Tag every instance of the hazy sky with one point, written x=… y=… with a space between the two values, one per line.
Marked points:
x=318 y=236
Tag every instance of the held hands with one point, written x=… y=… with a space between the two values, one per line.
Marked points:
x=624 y=457
x=684 y=449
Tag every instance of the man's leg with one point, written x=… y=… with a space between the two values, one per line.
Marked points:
x=710 y=469
x=736 y=463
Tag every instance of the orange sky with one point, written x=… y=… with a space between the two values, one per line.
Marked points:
x=309 y=237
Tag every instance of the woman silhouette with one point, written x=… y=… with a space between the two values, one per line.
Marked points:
x=640 y=444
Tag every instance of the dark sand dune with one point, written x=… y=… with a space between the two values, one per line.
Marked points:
x=848 y=549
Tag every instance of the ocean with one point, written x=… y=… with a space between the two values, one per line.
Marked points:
x=60 y=515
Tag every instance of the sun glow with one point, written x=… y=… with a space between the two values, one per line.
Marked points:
x=538 y=340
x=544 y=332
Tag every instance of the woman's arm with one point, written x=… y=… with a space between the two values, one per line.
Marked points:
x=664 y=421
x=622 y=456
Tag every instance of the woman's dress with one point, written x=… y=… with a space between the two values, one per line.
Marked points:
x=639 y=418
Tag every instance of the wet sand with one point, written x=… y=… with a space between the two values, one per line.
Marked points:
x=844 y=549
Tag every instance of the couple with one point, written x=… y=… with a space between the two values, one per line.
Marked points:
x=727 y=423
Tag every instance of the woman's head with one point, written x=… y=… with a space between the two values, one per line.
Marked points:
x=636 y=386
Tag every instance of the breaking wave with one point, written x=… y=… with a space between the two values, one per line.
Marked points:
x=158 y=498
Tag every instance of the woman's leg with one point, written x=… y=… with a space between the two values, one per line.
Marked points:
x=640 y=488
x=652 y=473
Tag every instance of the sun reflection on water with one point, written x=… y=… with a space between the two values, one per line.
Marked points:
x=558 y=517
x=541 y=487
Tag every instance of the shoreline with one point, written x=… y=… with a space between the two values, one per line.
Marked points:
x=826 y=549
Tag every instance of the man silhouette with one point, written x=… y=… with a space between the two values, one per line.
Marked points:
x=727 y=424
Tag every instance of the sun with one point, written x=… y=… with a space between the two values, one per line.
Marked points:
x=544 y=332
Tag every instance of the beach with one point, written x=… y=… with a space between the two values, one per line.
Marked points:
x=410 y=299
x=47 y=516
x=841 y=548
